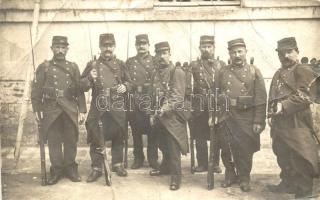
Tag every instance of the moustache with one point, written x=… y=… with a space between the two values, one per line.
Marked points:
x=107 y=51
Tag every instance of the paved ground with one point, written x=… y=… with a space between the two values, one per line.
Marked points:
x=23 y=182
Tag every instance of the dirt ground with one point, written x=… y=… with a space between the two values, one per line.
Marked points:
x=23 y=182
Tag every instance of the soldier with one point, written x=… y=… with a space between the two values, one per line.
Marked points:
x=141 y=68
x=203 y=70
x=170 y=124
x=291 y=122
x=57 y=101
x=241 y=122
x=108 y=79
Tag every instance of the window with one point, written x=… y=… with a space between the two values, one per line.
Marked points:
x=197 y=3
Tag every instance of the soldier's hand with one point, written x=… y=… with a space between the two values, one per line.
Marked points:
x=257 y=128
x=94 y=74
x=121 y=89
x=279 y=109
x=82 y=117
x=38 y=116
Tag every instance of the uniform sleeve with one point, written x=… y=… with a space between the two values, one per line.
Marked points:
x=125 y=76
x=36 y=89
x=299 y=100
x=85 y=81
x=80 y=97
x=260 y=98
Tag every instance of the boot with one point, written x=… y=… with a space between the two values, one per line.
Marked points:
x=94 y=175
x=120 y=170
x=245 y=185
x=229 y=178
x=175 y=182
x=138 y=163
x=154 y=164
x=282 y=187
x=72 y=173
x=56 y=175
x=201 y=168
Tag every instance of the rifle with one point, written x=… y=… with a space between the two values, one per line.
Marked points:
x=42 y=150
x=192 y=144
x=213 y=117
x=102 y=150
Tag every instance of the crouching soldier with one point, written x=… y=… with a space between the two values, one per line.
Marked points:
x=170 y=124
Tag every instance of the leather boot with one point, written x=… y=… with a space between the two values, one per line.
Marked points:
x=94 y=175
x=138 y=163
x=175 y=182
x=72 y=173
x=120 y=170
x=230 y=178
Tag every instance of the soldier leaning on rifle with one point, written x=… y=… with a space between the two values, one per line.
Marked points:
x=108 y=79
x=170 y=124
x=203 y=70
x=291 y=123
x=240 y=124
x=141 y=69
x=57 y=101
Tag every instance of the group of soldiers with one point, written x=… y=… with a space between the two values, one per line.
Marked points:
x=159 y=99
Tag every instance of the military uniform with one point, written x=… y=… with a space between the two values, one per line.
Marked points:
x=57 y=95
x=107 y=106
x=141 y=69
x=170 y=126
x=203 y=71
x=243 y=87
x=291 y=130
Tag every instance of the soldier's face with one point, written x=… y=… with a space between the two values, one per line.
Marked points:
x=238 y=55
x=59 y=51
x=207 y=50
x=288 y=57
x=107 y=50
x=163 y=57
x=142 y=47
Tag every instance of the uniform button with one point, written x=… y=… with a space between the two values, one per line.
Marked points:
x=163 y=82
x=68 y=74
x=148 y=60
x=201 y=68
x=134 y=66
x=228 y=90
x=242 y=83
x=242 y=90
x=147 y=66
x=100 y=63
x=134 y=79
x=54 y=69
x=200 y=74
x=230 y=76
x=67 y=82
x=243 y=75
x=54 y=76
x=134 y=73
x=228 y=83
x=56 y=83
x=232 y=69
x=135 y=61
x=68 y=68
x=245 y=70
x=54 y=63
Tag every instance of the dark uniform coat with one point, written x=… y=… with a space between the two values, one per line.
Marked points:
x=294 y=126
x=110 y=73
x=245 y=86
x=140 y=70
x=203 y=75
x=172 y=82
x=56 y=90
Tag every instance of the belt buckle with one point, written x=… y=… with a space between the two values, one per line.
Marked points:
x=59 y=93
x=233 y=102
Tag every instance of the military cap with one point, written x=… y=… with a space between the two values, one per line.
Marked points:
x=60 y=40
x=142 y=38
x=206 y=39
x=107 y=38
x=287 y=43
x=236 y=42
x=162 y=46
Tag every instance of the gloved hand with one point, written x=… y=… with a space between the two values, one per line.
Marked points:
x=257 y=128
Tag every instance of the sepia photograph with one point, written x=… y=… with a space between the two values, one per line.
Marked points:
x=160 y=99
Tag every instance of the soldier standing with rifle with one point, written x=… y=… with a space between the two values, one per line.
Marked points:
x=170 y=124
x=203 y=70
x=57 y=100
x=291 y=123
x=243 y=119
x=108 y=79
x=141 y=69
